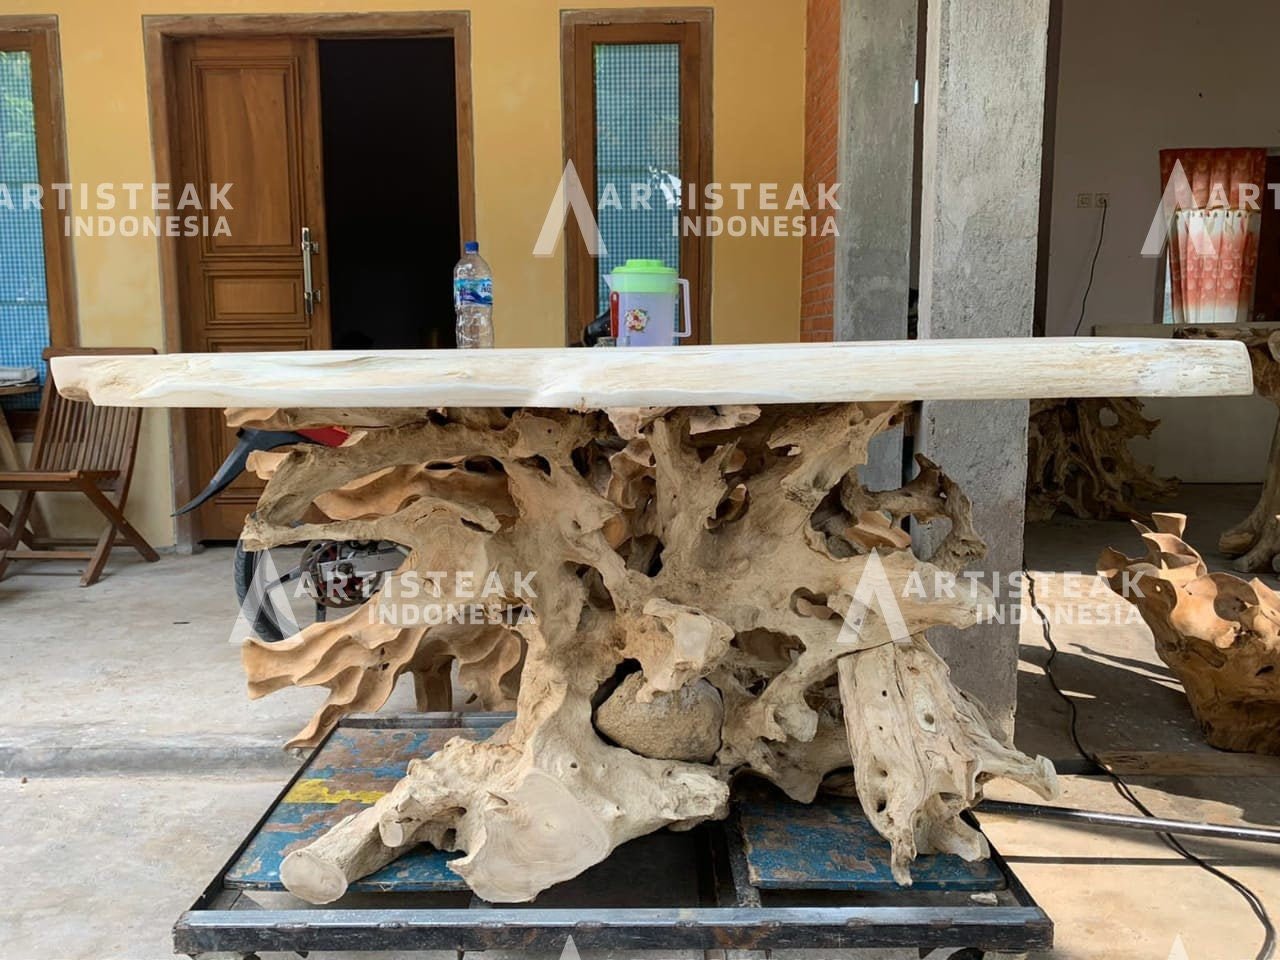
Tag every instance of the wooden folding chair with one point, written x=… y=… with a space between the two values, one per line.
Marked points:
x=79 y=448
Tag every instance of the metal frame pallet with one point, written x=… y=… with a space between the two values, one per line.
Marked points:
x=728 y=910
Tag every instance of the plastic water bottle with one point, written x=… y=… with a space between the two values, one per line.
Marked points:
x=473 y=299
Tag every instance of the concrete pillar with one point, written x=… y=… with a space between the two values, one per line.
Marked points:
x=983 y=126
x=876 y=141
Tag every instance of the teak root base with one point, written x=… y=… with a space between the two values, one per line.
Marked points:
x=693 y=572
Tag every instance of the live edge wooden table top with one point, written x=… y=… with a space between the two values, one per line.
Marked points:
x=666 y=376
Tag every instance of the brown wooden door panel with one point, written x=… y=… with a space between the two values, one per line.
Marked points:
x=268 y=300
x=248 y=114
x=250 y=138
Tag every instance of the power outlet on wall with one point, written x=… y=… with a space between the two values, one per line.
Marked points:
x=1084 y=200
x=1102 y=200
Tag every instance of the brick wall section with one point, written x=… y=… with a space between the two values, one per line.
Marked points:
x=821 y=130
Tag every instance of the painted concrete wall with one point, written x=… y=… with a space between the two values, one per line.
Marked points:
x=1232 y=438
x=758 y=136
x=1134 y=80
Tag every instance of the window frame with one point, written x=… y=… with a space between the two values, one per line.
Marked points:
x=580 y=30
x=38 y=36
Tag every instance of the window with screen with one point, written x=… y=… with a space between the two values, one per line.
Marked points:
x=637 y=105
x=637 y=129
x=24 y=302
x=34 y=253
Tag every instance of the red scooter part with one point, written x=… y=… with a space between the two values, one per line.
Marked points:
x=326 y=436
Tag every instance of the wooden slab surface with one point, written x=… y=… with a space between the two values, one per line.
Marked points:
x=584 y=378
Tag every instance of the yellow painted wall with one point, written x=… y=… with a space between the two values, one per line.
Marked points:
x=758 y=98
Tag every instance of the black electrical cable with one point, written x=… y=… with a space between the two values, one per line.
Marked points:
x=1084 y=303
x=1268 y=950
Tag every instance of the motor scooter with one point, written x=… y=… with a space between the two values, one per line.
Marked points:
x=335 y=574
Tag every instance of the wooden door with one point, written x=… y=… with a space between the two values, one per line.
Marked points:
x=247 y=114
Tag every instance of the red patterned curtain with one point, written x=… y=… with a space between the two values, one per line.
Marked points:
x=1213 y=248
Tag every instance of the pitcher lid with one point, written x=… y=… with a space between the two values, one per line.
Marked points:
x=645 y=266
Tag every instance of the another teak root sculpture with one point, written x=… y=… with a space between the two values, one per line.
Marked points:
x=1078 y=460
x=1219 y=634
x=692 y=573
x=1255 y=541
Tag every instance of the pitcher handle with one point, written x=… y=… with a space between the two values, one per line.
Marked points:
x=687 y=329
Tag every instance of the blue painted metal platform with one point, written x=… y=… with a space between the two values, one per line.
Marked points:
x=828 y=845
x=822 y=878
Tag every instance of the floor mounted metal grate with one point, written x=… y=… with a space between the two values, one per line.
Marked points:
x=776 y=874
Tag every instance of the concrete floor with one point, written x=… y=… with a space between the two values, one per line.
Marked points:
x=131 y=761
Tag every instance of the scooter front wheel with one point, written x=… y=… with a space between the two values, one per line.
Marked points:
x=244 y=567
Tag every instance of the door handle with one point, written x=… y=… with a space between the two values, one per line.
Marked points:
x=310 y=296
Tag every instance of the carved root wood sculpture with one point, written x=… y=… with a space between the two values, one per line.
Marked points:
x=1220 y=635
x=691 y=569
x=1078 y=460
x=1255 y=541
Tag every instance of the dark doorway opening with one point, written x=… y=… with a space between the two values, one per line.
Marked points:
x=390 y=144
x=1266 y=300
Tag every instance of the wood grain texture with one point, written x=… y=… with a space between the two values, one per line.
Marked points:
x=1219 y=634
x=1079 y=461
x=691 y=574
x=1009 y=368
